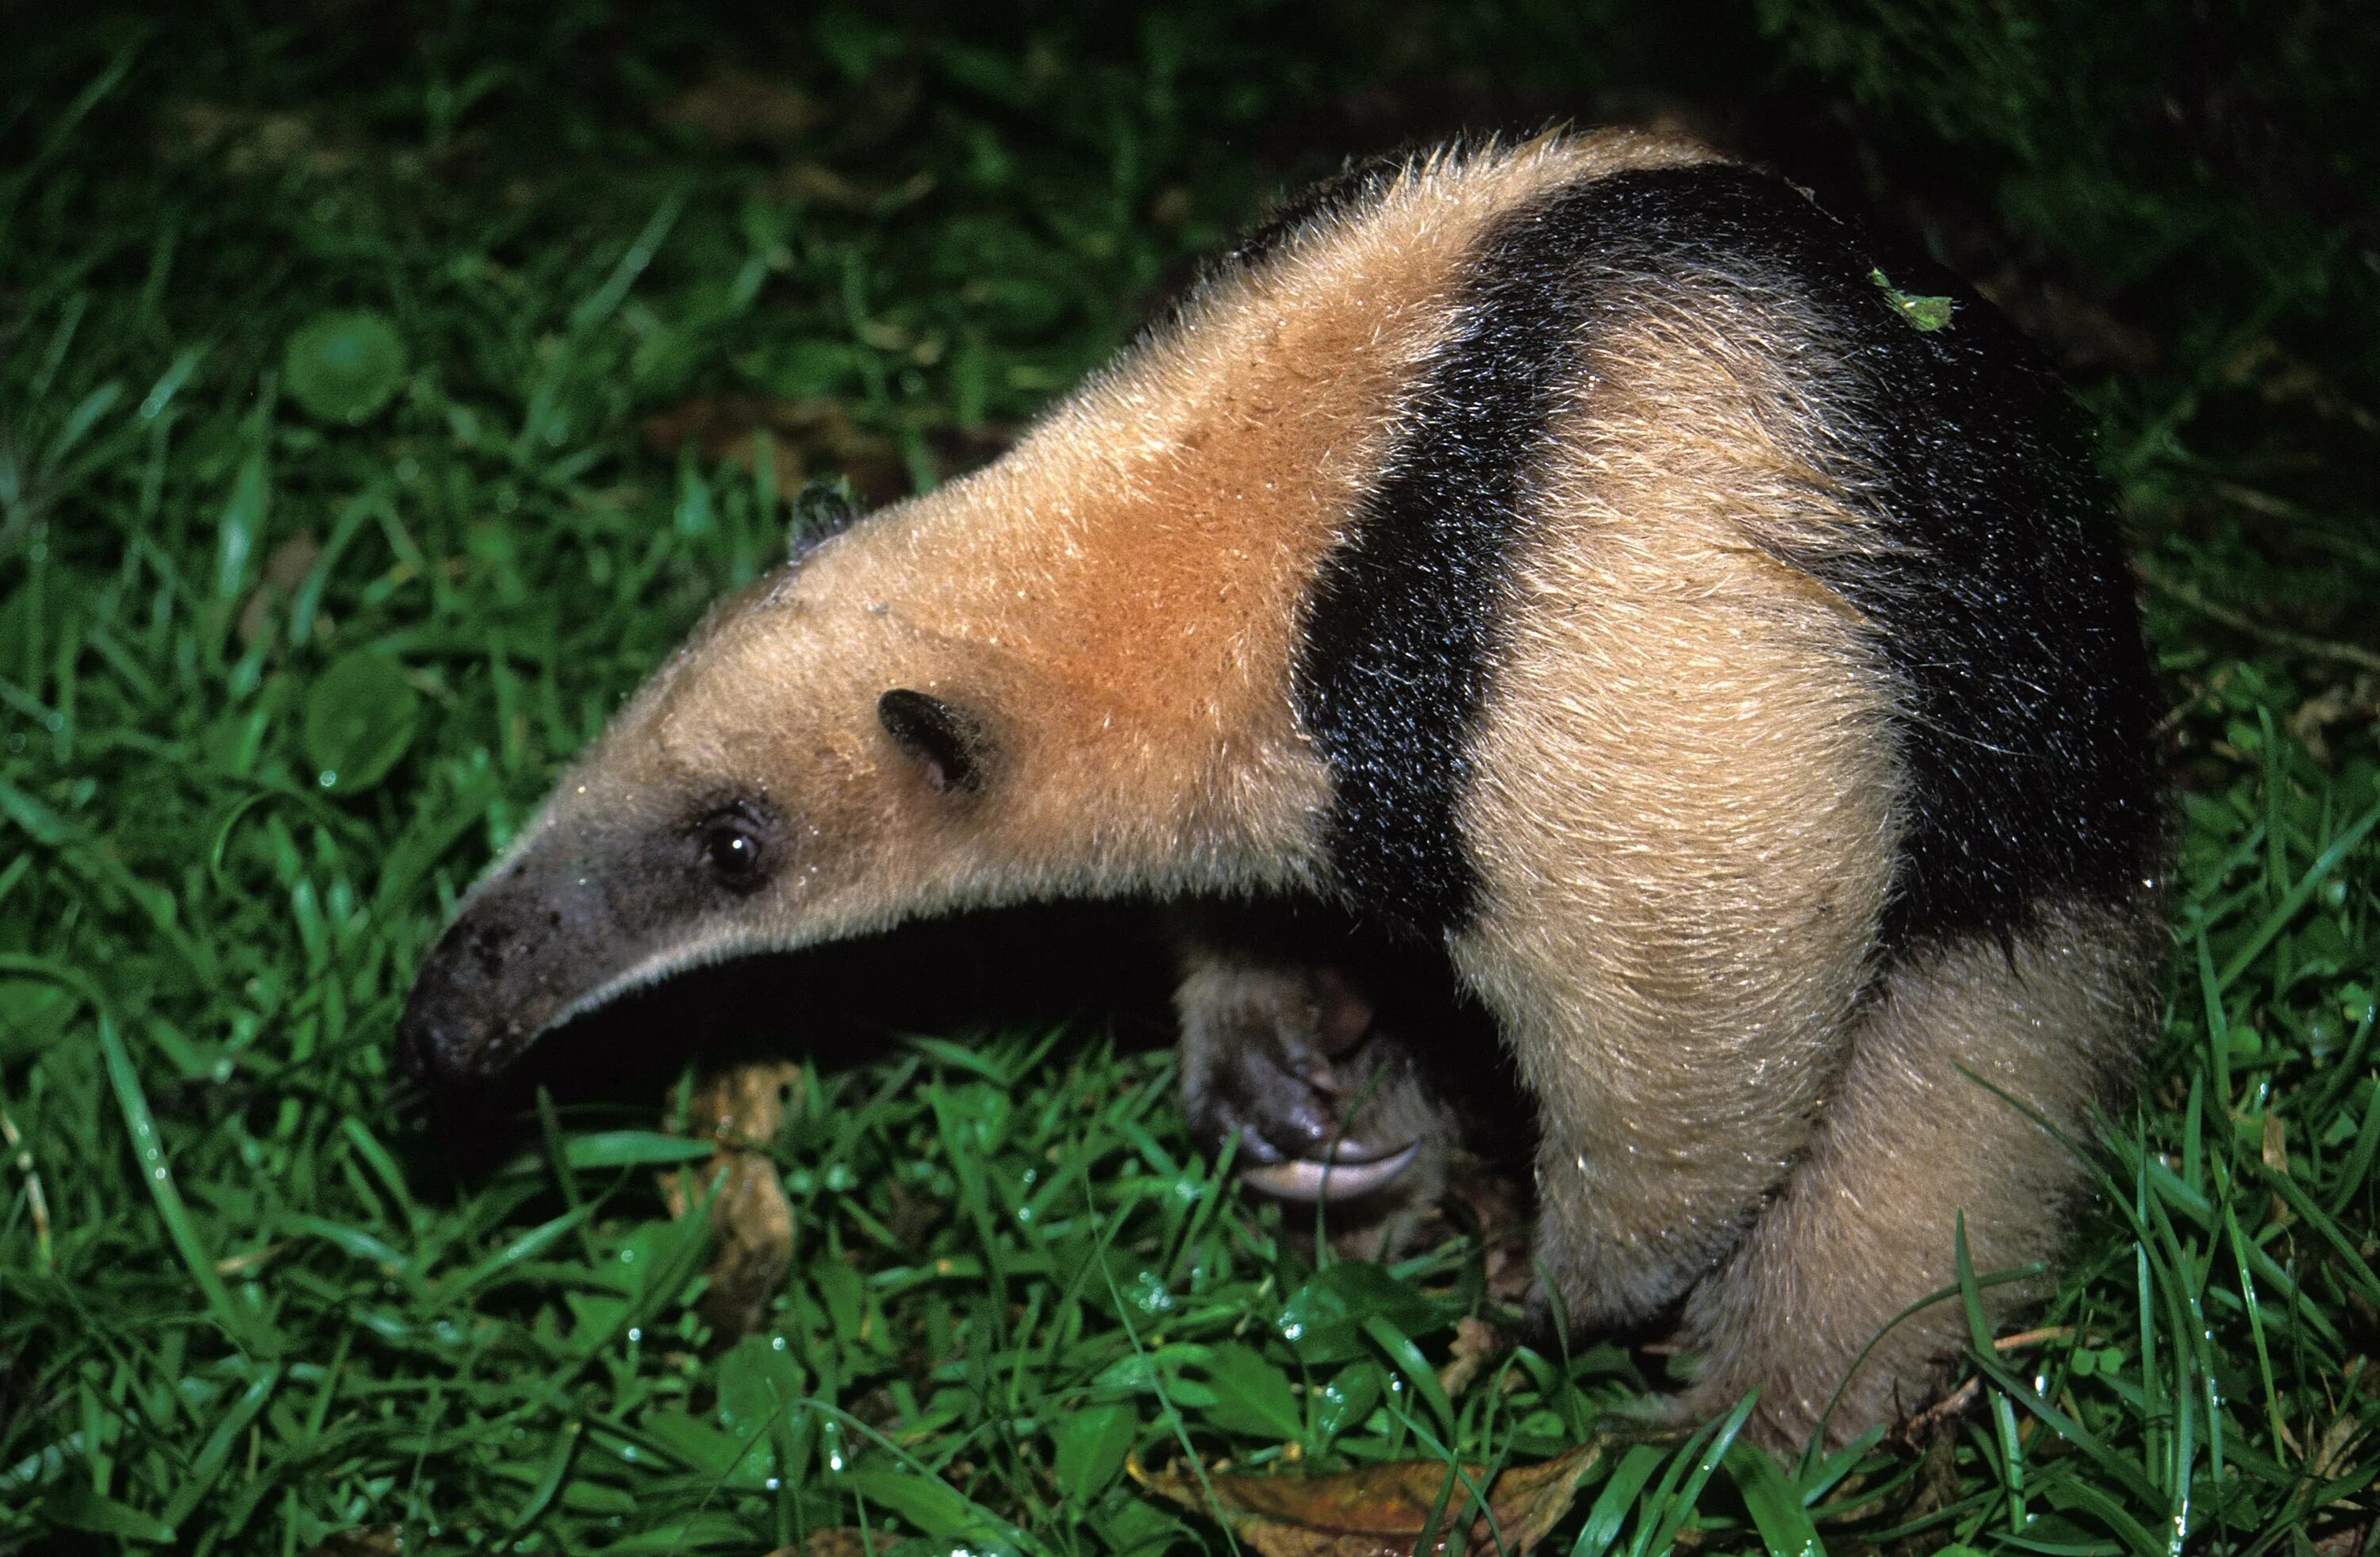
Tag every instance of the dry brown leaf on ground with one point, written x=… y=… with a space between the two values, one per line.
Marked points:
x=812 y=438
x=1476 y=1343
x=741 y=1107
x=841 y=1541
x=368 y=1540
x=1384 y=1511
x=820 y=185
x=250 y=142
x=286 y=567
x=2352 y=704
x=2351 y=1539
x=743 y=108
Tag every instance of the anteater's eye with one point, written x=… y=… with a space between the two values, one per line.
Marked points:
x=734 y=848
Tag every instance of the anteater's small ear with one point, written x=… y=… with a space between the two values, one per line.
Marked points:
x=950 y=742
x=822 y=509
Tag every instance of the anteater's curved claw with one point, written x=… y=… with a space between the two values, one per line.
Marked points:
x=1345 y=1176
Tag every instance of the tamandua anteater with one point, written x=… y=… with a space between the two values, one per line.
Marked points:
x=1577 y=555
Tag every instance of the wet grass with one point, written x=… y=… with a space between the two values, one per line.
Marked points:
x=294 y=630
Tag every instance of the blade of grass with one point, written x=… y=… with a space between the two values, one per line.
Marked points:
x=216 y=1452
x=148 y=1149
x=1779 y=1510
x=2287 y=908
x=1618 y=1499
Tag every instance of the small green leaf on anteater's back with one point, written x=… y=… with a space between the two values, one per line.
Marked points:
x=1927 y=314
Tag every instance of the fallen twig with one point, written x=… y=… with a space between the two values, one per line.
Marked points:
x=2280 y=637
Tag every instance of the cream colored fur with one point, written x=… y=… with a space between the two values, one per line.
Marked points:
x=1929 y=1125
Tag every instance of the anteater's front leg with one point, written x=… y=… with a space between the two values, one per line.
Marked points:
x=1284 y=1051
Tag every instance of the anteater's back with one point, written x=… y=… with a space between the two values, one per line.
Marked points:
x=1732 y=660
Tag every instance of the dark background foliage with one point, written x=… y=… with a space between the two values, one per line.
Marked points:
x=385 y=387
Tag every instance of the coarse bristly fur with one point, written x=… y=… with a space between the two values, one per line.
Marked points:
x=1584 y=557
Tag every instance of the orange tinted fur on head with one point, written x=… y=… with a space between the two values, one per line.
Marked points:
x=1122 y=591
x=1129 y=578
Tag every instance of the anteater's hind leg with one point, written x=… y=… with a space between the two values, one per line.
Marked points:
x=1864 y=1227
x=1283 y=1049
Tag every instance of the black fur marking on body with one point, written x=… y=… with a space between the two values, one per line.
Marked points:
x=2002 y=607
x=1394 y=659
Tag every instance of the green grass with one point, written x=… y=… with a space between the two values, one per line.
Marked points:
x=281 y=665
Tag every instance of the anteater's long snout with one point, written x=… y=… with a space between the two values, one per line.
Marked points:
x=529 y=945
x=458 y=1027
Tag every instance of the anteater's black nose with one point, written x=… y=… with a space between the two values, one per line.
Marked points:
x=536 y=936
x=476 y=1001
x=442 y=1037
x=417 y=1044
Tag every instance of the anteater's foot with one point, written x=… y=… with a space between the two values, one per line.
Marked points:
x=1287 y=1059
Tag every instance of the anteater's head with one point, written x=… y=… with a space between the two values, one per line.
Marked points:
x=804 y=766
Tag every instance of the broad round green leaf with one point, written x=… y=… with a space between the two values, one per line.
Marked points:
x=33 y=1015
x=362 y=713
x=1092 y=1445
x=1252 y=1396
x=345 y=367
